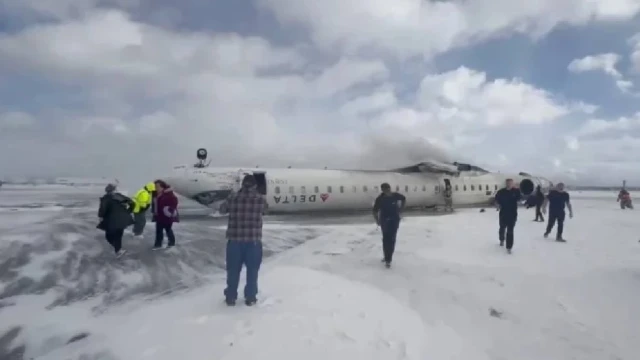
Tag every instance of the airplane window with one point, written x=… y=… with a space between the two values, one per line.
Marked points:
x=397 y=188
x=436 y=188
x=277 y=189
x=341 y=188
x=375 y=188
x=316 y=189
x=464 y=188
x=496 y=186
x=456 y=187
x=424 y=187
x=303 y=189
x=406 y=188
x=292 y=190
x=355 y=188
x=480 y=187
x=329 y=189
x=415 y=188
x=364 y=188
x=486 y=187
x=473 y=187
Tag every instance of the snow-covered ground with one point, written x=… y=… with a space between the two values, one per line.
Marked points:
x=452 y=293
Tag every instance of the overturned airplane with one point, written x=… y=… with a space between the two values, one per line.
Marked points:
x=313 y=190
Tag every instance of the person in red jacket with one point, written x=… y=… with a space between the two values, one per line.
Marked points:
x=165 y=213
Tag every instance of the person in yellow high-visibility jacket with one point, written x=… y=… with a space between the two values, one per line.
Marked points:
x=142 y=200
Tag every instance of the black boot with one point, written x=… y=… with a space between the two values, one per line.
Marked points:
x=230 y=302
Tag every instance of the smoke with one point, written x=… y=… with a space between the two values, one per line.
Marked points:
x=396 y=149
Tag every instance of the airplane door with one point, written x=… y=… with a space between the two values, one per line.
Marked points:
x=447 y=192
x=261 y=182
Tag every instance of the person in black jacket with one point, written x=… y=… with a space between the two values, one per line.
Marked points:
x=557 y=199
x=386 y=212
x=507 y=200
x=539 y=200
x=115 y=216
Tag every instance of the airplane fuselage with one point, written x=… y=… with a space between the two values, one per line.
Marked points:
x=317 y=190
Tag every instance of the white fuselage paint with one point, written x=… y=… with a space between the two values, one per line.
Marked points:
x=310 y=190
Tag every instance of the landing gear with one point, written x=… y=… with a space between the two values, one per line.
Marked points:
x=202 y=156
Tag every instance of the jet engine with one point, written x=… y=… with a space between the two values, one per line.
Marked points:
x=529 y=183
x=527 y=187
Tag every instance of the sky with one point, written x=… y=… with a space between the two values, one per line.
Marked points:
x=134 y=87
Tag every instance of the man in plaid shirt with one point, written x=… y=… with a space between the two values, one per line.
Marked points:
x=244 y=240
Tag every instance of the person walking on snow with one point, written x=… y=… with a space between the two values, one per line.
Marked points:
x=115 y=216
x=448 y=198
x=507 y=200
x=557 y=199
x=142 y=199
x=539 y=200
x=386 y=212
x=165 y=214
x=244 y=240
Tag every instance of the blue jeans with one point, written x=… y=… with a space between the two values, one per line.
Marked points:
x=389 y=229
x=249 y=254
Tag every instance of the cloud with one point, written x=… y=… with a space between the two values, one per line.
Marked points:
x=600 y=127
x=605 y=148
x=603 y=62
x=467 y=96
x=634 y=41
x=413 y=27
x=109 y=93
x=456 y=113
x=573 y=143
x=15 y=121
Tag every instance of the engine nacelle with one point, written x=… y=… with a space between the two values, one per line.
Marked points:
x=529 y=183
x=527 y=187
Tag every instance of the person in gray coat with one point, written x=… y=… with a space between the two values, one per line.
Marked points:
x=115 y=216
